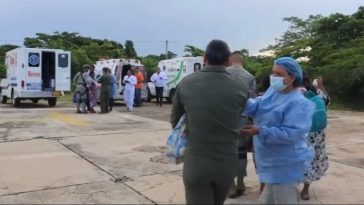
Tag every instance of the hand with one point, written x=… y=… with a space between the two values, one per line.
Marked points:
x=249 y=130
x=161 y=78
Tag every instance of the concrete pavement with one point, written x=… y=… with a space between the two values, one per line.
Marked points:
x=57 y=156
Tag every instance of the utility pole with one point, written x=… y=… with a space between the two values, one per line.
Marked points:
x=167 y=42
x=166 y=49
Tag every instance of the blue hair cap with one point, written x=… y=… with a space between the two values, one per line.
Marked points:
x=292 y=67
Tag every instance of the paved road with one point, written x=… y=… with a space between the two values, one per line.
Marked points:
x=52 y=155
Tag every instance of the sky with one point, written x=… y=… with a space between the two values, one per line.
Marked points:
x=249 y=24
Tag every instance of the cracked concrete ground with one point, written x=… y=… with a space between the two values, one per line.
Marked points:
x=53 y=156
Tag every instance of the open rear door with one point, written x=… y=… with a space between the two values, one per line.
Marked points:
x=63 y=71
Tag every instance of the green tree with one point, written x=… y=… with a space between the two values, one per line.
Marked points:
x=129 y=49
x=3 y=49
x=333 y=48
x=194 y=51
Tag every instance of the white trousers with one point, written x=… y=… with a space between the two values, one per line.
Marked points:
x=129 y=98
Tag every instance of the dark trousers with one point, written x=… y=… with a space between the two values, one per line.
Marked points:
x=104 y=101
x=159 y=95
x=138 y=97
x=111 y=103
x=88 y=101
x=208 y=180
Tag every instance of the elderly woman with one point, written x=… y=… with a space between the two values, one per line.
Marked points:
x=282 y=118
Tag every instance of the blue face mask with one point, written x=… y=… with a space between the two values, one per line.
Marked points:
x=277 y=83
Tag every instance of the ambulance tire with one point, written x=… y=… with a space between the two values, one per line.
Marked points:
x=149 y=97
x=52 y=102
x=4 y=99
x=35 y=101
x=16 y=102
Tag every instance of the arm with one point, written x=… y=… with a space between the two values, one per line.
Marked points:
x=152 y=78
x=252 y=107
x=90 y=80
x=125 y=79
x=297 y=122
x=177 y=108
x=101 y=79
x=133 y=80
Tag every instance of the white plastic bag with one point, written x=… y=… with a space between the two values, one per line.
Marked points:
x=177 y=142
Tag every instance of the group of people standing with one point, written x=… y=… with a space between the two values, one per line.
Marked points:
x=223 y=113
x=85 y=94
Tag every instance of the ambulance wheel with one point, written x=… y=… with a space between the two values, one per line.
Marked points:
x=35 y=101
x=149 y=97
x=16 y=102
x=52 y=102
x=4 y=99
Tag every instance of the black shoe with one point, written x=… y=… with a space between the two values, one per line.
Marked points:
x=238 y=192
x=79 y=111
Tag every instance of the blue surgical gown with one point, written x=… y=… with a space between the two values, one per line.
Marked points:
x=284 y=120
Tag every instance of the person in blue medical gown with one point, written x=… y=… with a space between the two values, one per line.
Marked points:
x=282 y=120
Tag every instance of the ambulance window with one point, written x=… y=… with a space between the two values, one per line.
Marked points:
x=33 y=59
x=63 y=60
x=196 y=67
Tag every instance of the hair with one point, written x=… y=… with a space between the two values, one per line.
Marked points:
x=105 y=69
x=266 y=82
x=85 y=68
x=306 y=82
x=237 y=55
x=217 y=52
x=295 y=82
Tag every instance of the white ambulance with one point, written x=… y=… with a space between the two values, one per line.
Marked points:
x=35 y=74
x=176 y=69
x=119 y=68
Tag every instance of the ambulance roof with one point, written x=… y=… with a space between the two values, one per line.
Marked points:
x=36 y=49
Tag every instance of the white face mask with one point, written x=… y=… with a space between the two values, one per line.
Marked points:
x=277 y=83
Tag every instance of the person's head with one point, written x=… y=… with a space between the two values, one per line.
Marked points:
x=137 y=69
x=129 y=73
x=105 y=70
x=85 y=68
x=236 y=58
x=217 y=53
x=286 y=74
x=158 y=70
x=306 y=83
